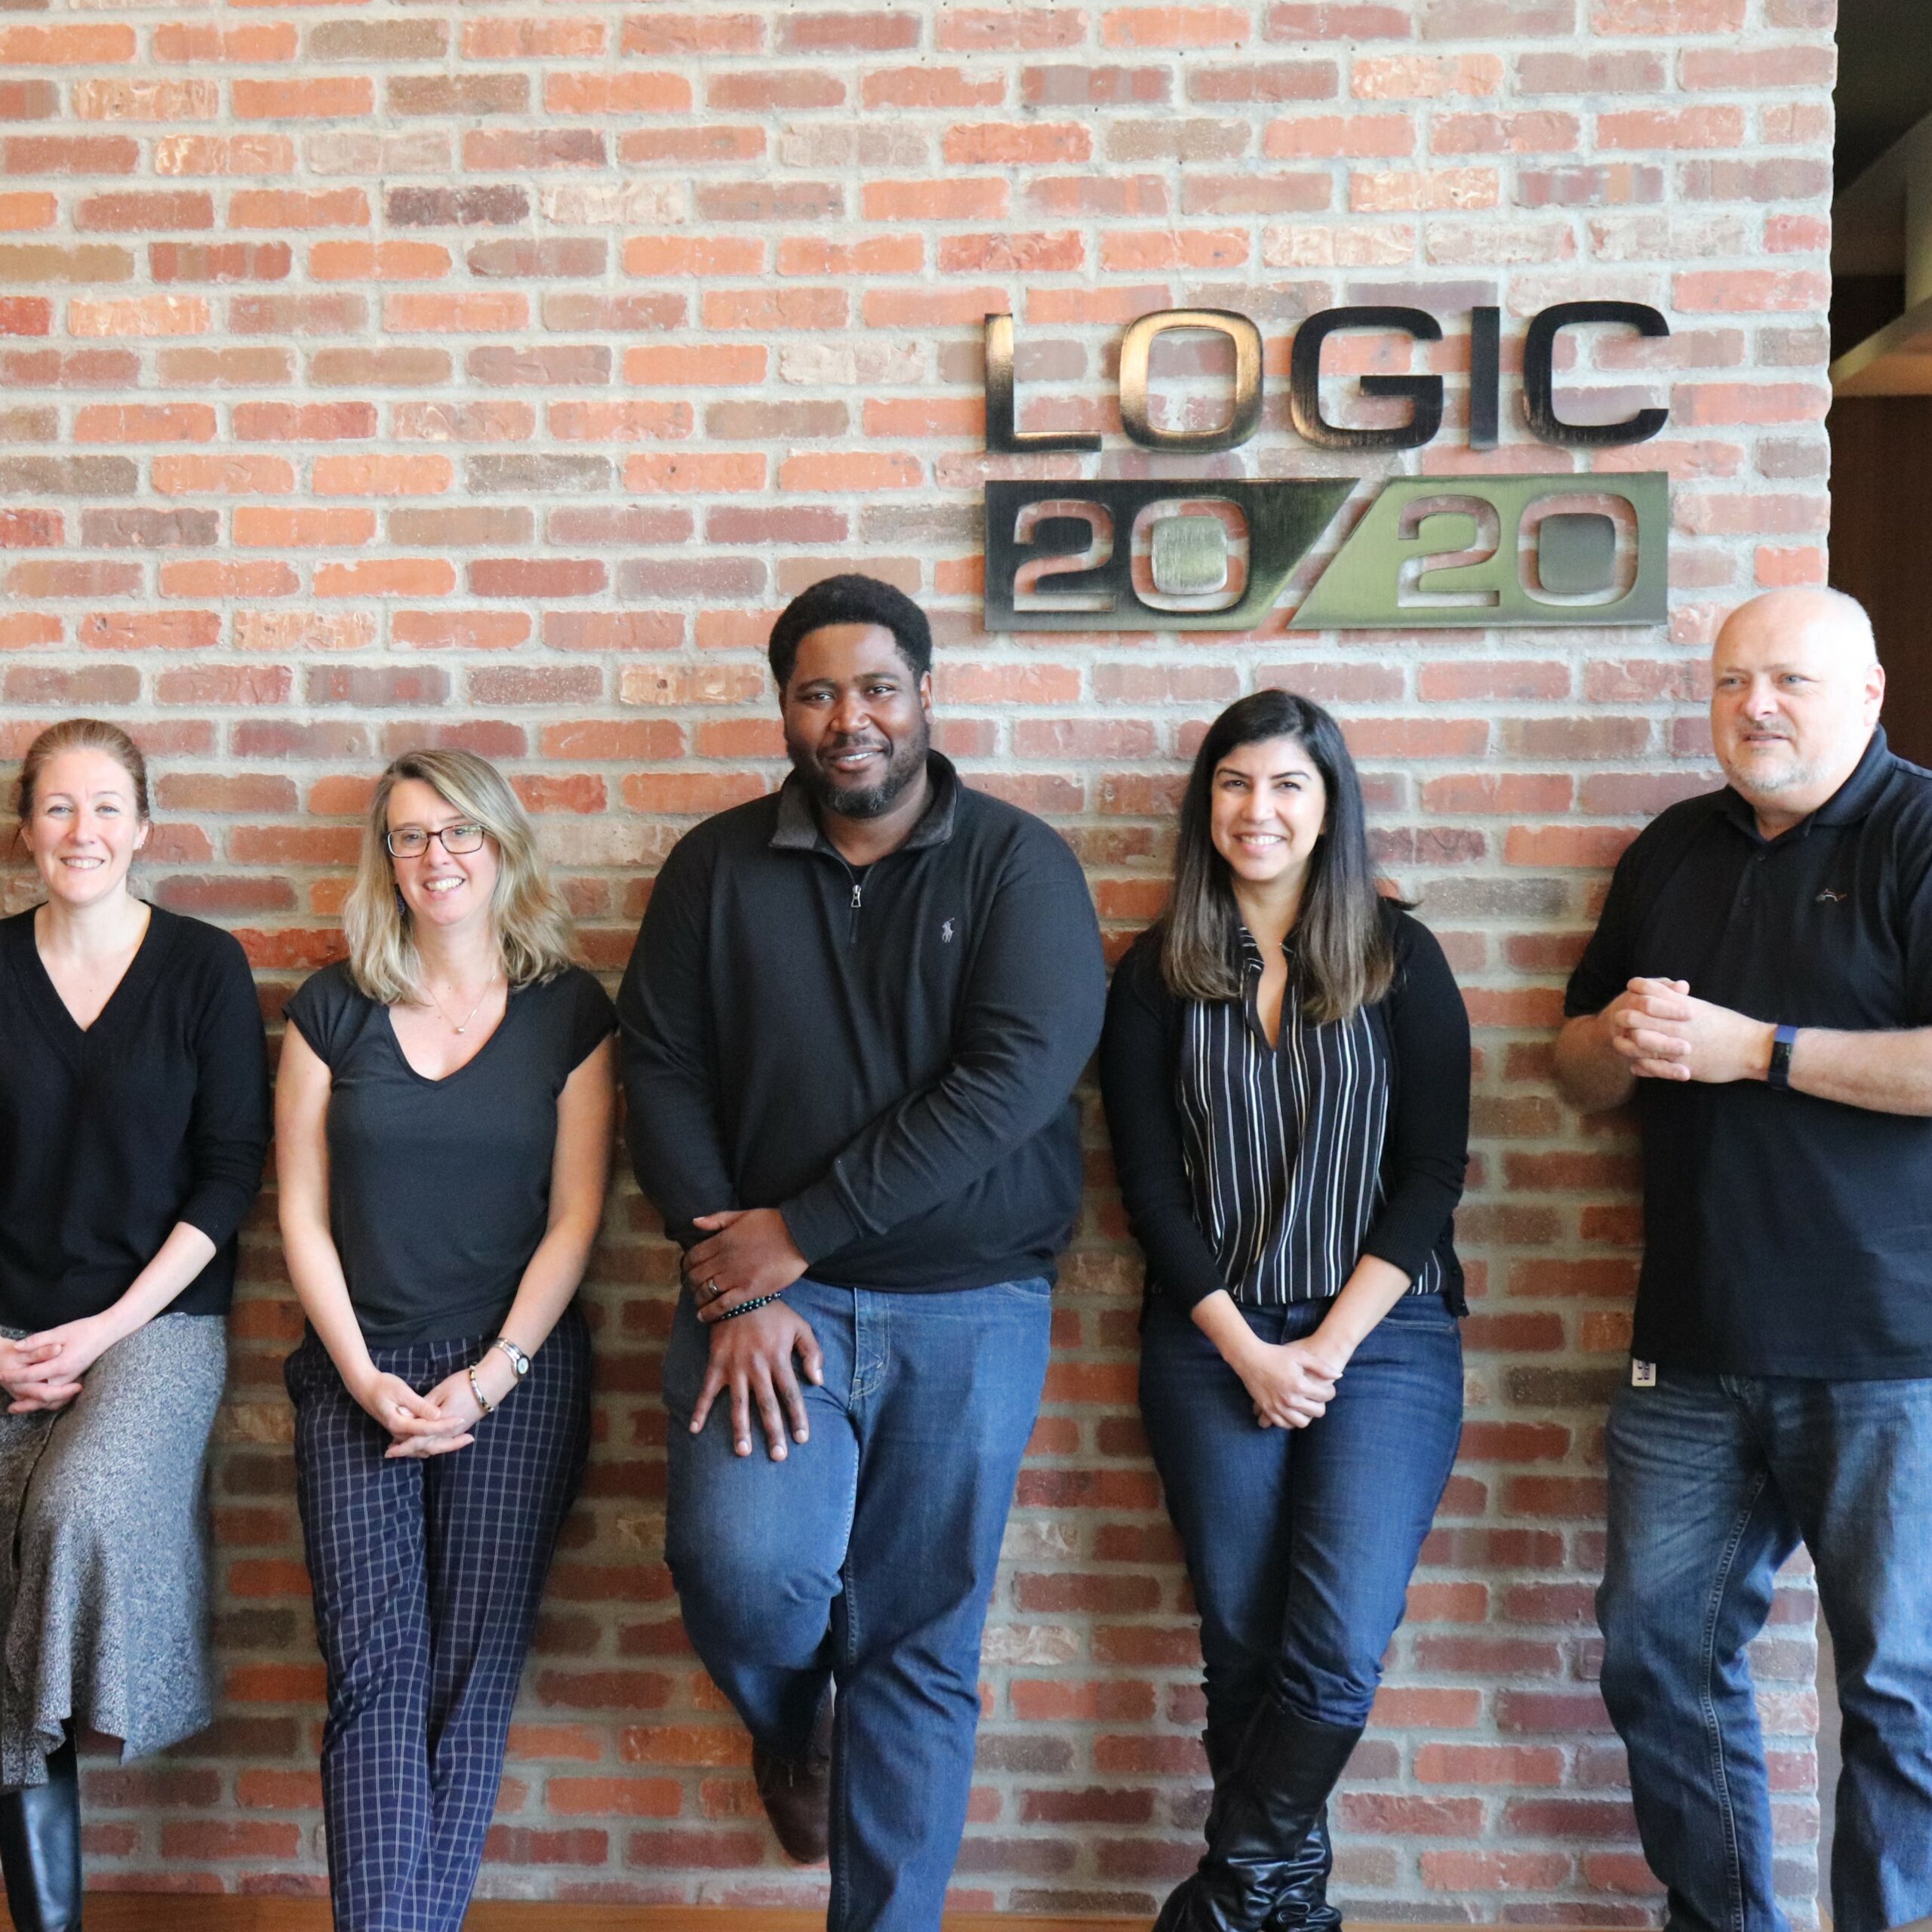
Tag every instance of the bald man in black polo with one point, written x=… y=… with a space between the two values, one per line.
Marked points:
x=1760 y=982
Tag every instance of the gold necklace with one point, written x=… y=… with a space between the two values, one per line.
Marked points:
x=490 y=987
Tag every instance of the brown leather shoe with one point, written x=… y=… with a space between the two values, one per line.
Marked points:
x=797 y=1793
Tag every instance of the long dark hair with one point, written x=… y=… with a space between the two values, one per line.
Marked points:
x=1347 y=957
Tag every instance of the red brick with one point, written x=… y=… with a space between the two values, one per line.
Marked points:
x=73 y=44
x=334 y=96
x=972 y=198
x=530 y=38
x=1178 y=27
x=1753 y=289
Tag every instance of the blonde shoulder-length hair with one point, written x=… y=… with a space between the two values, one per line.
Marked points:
x=534 y=939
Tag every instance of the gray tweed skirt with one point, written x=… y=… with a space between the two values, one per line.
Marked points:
x=103 y=1551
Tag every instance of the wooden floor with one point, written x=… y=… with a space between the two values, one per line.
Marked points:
x=203 y=1912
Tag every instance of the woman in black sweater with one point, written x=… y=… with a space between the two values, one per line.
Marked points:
x=1286 y=1071
x=134 y=1120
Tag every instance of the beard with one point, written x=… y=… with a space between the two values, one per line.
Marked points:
x=1769 y=775
x=905 y=760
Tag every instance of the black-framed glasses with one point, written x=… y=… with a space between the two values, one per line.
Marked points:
x=411 y=842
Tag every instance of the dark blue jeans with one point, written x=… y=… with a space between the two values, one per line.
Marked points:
x=1300 y=1543
x=868 y=1556
x=1713 y=1481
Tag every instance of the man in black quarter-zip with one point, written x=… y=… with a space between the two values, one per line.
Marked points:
x=852 y=1022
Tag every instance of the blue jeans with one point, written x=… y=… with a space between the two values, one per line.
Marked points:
x=1300 y=1543
x=1713 y=1480
x=867 y=1557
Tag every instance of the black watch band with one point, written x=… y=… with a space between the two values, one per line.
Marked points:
x=1778 y=1074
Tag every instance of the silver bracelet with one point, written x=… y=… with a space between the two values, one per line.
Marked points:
x=483 y=1402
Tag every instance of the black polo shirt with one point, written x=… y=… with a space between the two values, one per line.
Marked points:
x=1784 y=1234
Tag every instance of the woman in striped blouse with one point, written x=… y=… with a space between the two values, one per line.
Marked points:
x=1286 y=1070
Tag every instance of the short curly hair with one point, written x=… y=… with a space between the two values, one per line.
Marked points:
x=849 y=599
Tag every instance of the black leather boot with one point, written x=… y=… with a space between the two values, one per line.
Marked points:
x=1271 y=1799
x=1303 y=1905
x=40 y=1847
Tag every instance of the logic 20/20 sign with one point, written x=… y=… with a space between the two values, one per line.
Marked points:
x=1203 y=554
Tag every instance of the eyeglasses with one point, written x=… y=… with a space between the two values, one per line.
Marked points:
x=411 y=842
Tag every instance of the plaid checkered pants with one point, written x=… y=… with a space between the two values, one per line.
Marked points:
x=427 y=1577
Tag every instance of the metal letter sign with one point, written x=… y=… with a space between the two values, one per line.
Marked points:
x=1199 y=553
x=1061 y=556
x=1542 y=564
x=1429 y=552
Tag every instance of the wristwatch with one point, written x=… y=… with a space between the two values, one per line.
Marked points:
x=519 y=1359
x=1778 y=1074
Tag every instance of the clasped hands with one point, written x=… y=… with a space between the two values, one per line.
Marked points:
x=44 y=1371
x=444 y=1420
x=1290 y=1383
x=1662 y=1033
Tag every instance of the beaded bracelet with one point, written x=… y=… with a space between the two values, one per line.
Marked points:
x=745 y=1307
x=483 y=1402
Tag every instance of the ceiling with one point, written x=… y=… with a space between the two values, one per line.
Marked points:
x=1884 y=82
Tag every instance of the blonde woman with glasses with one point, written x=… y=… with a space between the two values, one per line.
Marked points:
x=443 y=1120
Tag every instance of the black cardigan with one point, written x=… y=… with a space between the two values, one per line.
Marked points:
x=158 y=1114
x=1425 y=1149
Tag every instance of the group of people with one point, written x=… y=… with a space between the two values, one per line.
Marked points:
x=848 y=1036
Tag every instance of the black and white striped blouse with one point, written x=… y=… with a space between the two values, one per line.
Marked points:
x=1270 y=1170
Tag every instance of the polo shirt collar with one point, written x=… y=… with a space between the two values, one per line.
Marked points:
x=797 y=829
x=1846 y=806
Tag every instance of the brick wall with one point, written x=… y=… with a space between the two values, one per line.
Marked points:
x=381 y=373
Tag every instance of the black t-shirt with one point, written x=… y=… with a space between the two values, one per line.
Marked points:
x=1784 y=1234
x=439 y=1190
x=156 y=1114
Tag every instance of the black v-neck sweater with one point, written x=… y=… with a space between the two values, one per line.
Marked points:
x=157 y=1114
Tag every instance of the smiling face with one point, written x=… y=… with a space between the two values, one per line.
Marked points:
x=857 y=720
x=85 y=827
x=440 y=887
x=1795 y=693
x=1267 y=806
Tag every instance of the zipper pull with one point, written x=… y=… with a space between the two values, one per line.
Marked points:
x=856 y=889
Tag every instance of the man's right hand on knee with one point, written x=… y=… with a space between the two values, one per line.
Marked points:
x=751 y=1359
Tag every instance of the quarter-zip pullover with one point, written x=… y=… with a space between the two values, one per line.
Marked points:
x=884 y=1055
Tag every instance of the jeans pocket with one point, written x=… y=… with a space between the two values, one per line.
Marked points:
x=1422 y=1310
x=1030 y=1287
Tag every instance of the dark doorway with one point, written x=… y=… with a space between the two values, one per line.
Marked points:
x=1880 y=420
x=1882 y=535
